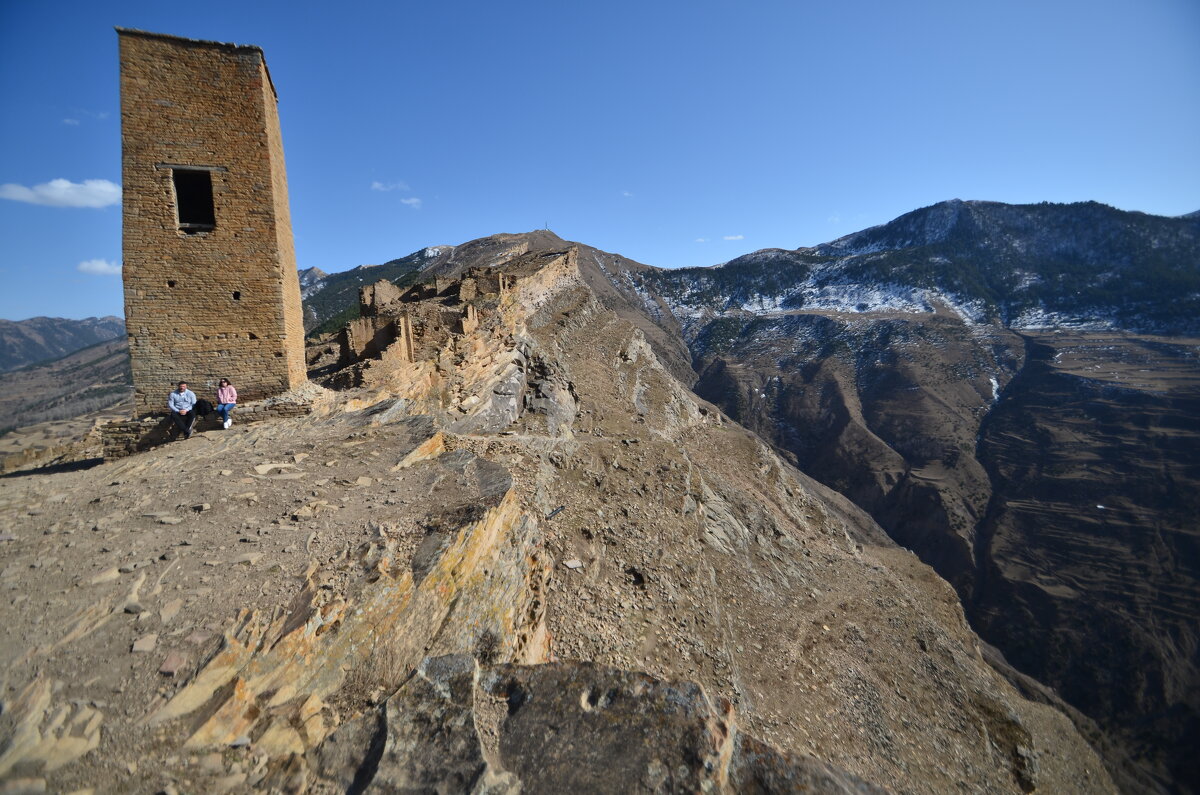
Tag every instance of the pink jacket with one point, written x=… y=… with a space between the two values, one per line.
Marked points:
x=226 y=394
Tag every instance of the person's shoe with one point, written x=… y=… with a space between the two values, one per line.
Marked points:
x=228 y=422
x=188 y=435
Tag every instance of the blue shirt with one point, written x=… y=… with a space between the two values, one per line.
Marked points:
x=181 y=401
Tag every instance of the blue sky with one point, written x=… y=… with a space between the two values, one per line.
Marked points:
x=675 y=133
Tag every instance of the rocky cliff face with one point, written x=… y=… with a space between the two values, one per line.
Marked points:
x=978 y=377
x=533 y=561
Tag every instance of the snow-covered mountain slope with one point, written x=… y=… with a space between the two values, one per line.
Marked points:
x=1080 y=266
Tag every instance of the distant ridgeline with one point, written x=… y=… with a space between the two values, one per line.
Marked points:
x=1026 y=266
x=1084 y=265
x=43 y=339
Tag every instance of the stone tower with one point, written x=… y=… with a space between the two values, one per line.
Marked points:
x=211 y=289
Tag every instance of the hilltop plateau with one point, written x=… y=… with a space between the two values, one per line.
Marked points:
x=526 y=558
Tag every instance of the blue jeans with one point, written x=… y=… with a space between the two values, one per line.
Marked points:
x=223 y=409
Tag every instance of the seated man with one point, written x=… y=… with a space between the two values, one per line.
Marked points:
x=180 y=402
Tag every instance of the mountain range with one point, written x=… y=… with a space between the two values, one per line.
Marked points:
x=40 y=339
x=1010 y=391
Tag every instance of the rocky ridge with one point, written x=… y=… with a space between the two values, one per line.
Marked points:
x=1011 y=392
x=538 y=526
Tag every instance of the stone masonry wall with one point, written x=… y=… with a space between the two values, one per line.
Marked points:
x=217 y=303
x=372 y=297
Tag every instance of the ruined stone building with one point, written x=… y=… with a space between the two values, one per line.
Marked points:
x=209 y=267
x=407 y=325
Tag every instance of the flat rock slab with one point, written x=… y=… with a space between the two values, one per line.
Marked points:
x=108 y=575
x=264 y=469
x=571 y=725
x=170 y=610
x=145 y=643
x=173 y=664
x=560 y=727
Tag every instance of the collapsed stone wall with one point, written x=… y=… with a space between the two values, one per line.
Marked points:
x=374 y=296
x=414 y=324
x=210 y=275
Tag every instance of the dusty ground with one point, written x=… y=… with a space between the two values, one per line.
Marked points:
x=168 y=547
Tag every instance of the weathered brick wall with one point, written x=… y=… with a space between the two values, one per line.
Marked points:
x=215 y=304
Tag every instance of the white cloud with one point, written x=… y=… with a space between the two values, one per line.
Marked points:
x=100 y=267
x=834 y=219
x=702 y=240
x=388 y=186
x=627 y=194
x=412 y=202
x=64 y=193
x=72 y=122
x=735 y=237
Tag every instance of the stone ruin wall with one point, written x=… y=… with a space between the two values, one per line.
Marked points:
x=220 y=302
x=373 y=336
x=411 y=324
x=373 y=297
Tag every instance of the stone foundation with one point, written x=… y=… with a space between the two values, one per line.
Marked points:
x=125 y=437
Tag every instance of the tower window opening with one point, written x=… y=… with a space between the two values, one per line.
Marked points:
x=194 y=199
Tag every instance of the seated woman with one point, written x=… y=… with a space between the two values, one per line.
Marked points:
x=226 y=400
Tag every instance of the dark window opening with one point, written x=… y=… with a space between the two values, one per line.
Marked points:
x=194 y=199
x=237 y=295
x=170 y=282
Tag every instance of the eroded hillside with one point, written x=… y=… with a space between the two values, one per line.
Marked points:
x=987 y=382
x=532 y=560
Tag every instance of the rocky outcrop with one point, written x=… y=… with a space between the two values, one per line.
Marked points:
x=458 y=727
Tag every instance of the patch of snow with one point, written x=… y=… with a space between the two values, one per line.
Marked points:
x=1026 y=279
x=995 y=389
x=1041 y=318
x=312 y=289
x=764 y=304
